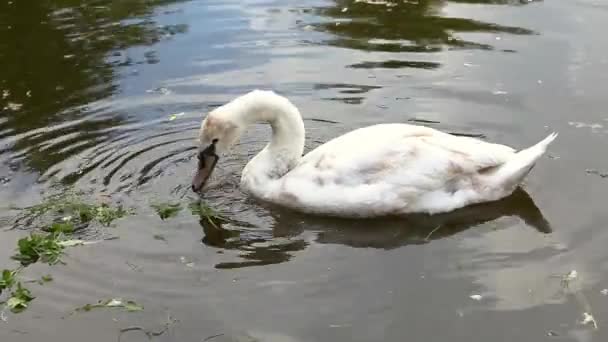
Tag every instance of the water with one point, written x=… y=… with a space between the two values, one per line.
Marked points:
x=88 y=89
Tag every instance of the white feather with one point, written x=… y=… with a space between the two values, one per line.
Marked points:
x=378 y=170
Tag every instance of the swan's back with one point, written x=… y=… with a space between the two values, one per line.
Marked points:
x=393 y=169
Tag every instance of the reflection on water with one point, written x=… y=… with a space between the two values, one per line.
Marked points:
x=58 y=56
x=51 y=122
x=107 y=96
x=405 y=26
x=260 y=247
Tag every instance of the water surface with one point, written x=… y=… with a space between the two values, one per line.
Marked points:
x=87 y=94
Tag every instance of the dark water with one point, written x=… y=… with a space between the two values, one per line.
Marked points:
x=87 y=90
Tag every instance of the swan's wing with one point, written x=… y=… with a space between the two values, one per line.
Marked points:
x=398 y=154
x=392 y=168
x=472 y=154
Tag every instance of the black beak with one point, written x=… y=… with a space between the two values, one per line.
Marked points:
x=206 y=163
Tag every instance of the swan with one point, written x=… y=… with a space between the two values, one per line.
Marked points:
x=379 y=170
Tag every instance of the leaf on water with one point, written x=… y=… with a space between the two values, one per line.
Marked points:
x=65 y=211
x=47 y=278
x=166 y=210
x=61 y=228
x=8 y=279
x=45 y=248
x=470 y=135
x=114 y=302
x=20 y=299
x=16 y=305
x=323 y=120
x=175 y=116
x=129 y=305
x=13 y=106
x=160 y=237
x=572 y=275
x=7 y=276
x=588 y=319
x=207 y=213
x=71 y=208
x=597 y=173
x=423 y=121
x=476 y=297
x=105 y=214
x=568 y=278
x=85 y=308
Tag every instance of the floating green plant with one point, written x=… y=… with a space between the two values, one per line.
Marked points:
x=167 y=210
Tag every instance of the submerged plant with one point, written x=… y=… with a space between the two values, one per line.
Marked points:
x=166 y=210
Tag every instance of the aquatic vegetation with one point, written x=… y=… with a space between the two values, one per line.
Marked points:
x=8 y=279
x=175 y=116
x=73 y=210
x=166 y=210
x=45 y=279
x=476 y=297
x=588 y=319
x=207 y=214
x=61 y=228
x=20 y=299
x=601 y=174
x=105 y=214
x=46 y=248
x=37 y=247
x=128 y=305
x=160 y=237
x=58 y=218
x=66 y=213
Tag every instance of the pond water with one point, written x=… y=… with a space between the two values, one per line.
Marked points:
x=107 y=97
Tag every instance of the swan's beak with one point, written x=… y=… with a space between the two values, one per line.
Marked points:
x=206 y=163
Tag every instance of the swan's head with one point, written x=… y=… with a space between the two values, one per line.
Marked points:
x=218 y=132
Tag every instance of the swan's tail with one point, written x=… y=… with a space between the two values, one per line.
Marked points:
x=511 y=173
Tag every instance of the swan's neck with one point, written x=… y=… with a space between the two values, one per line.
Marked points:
x=286 y=145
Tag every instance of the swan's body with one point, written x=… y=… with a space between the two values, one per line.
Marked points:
x=384 y=169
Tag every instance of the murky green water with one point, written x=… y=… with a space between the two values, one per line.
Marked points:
x=87 y=90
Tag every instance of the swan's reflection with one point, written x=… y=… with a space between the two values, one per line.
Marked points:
x=276 y=245
x=420 y=228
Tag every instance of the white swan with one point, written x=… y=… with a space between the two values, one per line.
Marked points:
x=383 y=169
